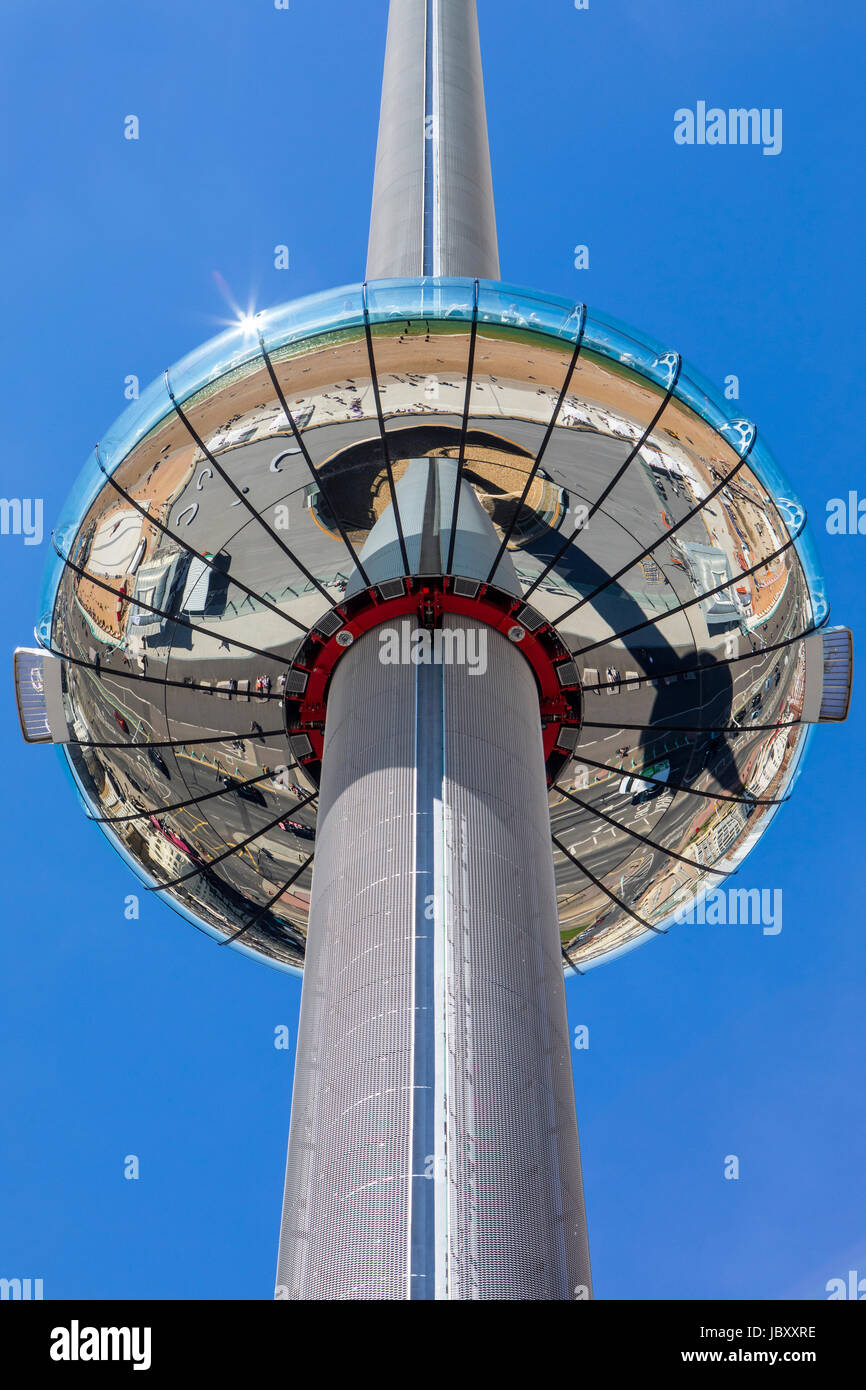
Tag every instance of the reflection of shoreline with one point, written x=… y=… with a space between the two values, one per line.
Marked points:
x=759 y=619
x=111 y=639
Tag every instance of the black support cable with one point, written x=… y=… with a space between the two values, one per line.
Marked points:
x=314 y=472
x=567 y=958
x=211 y=458
x=160 y=612
x=693 y=728
x=193 y=801
x=176 y=742
x=548 y=435
x=386 y=448
x=269 y=904
x=747 y=800
x=659 y=931
x=690 y=603
x=644 y=839
x=464 y=430
x=233 y=849
x=104 y=670
x=191 y=550
x=612 y=484
x=708 y=667
x=710 y=497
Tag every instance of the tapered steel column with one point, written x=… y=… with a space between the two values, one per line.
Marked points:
x=433 y=211
x=433 y=1148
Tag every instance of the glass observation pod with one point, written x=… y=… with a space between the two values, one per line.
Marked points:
x=653 y=535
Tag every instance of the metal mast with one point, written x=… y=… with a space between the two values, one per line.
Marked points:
x=433 y=210
x=433 y=1151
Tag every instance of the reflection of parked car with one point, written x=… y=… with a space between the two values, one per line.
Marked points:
x=246 y=793
x=295 y=827
x=158 y=761
x=636 y=787
x=718 y=755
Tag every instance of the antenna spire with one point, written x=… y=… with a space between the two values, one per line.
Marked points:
x=433 y=211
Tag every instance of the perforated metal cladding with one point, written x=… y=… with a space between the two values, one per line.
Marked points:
x=345 y=1210
x=516 y=1218
x=433 y=190
x=509 y=1218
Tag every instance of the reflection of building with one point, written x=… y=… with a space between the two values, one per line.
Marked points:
x=709 y=567
x=163 y=853
x=721 y=834
x=156 y=584
x=434 y=1149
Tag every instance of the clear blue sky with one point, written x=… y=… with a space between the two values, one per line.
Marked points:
x=257 y=128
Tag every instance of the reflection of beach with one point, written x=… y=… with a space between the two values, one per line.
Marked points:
x=532 y=372
x=768 y=588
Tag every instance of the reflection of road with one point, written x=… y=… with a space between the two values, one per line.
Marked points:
x=258 y=561
x=606 y=545
x=607 y=853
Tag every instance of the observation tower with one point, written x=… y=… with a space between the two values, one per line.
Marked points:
x=437 y=638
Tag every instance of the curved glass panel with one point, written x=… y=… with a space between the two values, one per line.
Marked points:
x=214 y=359
x=702 y=399
x=152 y=406
x=85 y=491
x=791 y=509
x=203 y=571
x=537 y=313
x=316 y=313
x=808 y=553
x=613 y=340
